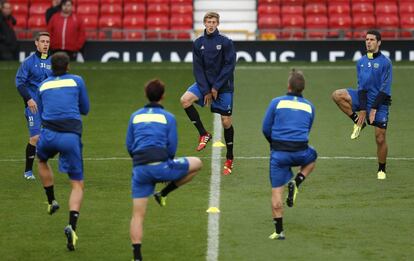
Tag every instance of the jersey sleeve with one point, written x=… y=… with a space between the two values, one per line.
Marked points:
x=130 y=137
x=228 y=66
x=172 y=137
x=268 y=121
x=22 y=77
x=386 y=79
x=83 y=98
x=198 y=70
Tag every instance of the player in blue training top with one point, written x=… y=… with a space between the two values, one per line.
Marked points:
x=31 y=72
x=62 y=100
x=372 y=98
x=214 y=60
x=152 y=143
x=286 y=126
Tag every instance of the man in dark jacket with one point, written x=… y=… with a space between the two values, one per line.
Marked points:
x=8 y=41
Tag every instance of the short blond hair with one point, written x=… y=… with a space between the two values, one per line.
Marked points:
x=209 y=15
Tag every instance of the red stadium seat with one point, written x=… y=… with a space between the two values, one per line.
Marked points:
x=118 y=2
x=182 y=20
x=315 y=1
x=87 y=2
x=389 y=25
x=292 y=2
x=133 y=27
x=90 y=21
x=181 y=2
x=273 y=2
x=19 y=1
x=315 y=9
x=20 y=9
x=362 y=8
x=361 y=24
x=182 y=9
x=339 y=9
x=362 y=1
x=36 y=23
x=292 y=10
x=406 y=8
x=135 y=8
x=340 y=26
x=21 y=26
x=293 y=26
x=38 y=9
x=407 y=25
x=159 y=1
x=160 y=9
x=316 y=26
x=155 y=24
x=88 y=9
x=386 y=8
x=111 y=9
x=110 y=27
x=40 y=2
x=269 y=22
x=268 y=10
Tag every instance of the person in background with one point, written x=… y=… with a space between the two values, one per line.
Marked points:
x=8 y=41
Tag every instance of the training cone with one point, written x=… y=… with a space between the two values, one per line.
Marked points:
x=218 y=144
x=213 y=210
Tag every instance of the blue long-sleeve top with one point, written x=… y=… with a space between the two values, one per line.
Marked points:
x=374 y=80
x=288 y=121
x=151 y=135
x=61 y=102
x=33 y=70
x=214 y=60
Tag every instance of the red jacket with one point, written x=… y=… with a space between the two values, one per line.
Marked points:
x=66 y=33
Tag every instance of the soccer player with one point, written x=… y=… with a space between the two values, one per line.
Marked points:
x=286 y=126
x=62 y=100
x=370 y=102
x=214 y=60
x=31 y=72
x=152 y=143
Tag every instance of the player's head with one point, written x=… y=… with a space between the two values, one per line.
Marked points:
x=211 y=20
x=60 y=63
x=67 y=7
x=373 y=41
x=42 y=42
x=6 y=8
x=296 y=81
x=154 y=90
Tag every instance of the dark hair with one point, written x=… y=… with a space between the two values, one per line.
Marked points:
x=41 y=34
x=296 y=81
x=154 y=90
x=60 y=62
x=65 y=1
x=376 y=33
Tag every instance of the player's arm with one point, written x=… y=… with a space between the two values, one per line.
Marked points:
x=83 y=98
x=130 y=137
x=172 y=137
x=384 y=95
x=312 y=117
x=229 y=65
x=22 y=78
x=198 y=70
x=268 y=121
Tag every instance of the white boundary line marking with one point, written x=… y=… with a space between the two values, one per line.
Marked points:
x=213 y=218
x=242 y=158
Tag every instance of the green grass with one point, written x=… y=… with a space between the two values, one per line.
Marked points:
x=343 y=212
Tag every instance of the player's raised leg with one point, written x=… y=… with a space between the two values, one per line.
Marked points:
x=293 y=186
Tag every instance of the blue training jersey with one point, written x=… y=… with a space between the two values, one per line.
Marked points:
x=33 y=70
x=214 y=60
x=288 y=121
x=62 y=100
x=152 y=134
x=374 y=76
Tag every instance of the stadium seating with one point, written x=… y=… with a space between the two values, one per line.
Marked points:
x=339 y=8
x=315 y=22
x=315 y=9
x=407 y=25
x=406 y=8
x=135 y=8
x=340 y=26
x=295 y=26
x=361 y=24
x=133 y=27
x=362 y=8
x=389 y=25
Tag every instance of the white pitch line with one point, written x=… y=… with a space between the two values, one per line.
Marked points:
x=241 y=158
x=213 y=218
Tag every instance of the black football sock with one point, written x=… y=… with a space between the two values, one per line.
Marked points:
x=278 y=224
x=381 y=166
x=299 y=179
x=30 y=155
x=170 y=187
x=136 y=250
x=50 y=193
x=228 y=137
x=73 y=218
x=195 y=119
x=354 y=117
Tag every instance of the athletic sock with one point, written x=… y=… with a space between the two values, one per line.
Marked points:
x=73 y=218
x=136 y=250
x=30 y=155
x=278 y=224
x=50 y=193
x=195 y=119
x=299 y=179
x=228 y=137
x=354 y=117
x=381 y=166
x=170 y=187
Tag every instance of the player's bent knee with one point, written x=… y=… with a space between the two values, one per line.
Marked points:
x=277 y=205
x=340 y=94
x=186 y=100
x=195 y=163
x=33 y=140
x=226 y=121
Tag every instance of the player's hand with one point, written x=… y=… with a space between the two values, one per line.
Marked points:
x=214 y=93
x=372 y=115
x=207 y=99
x=32 y=106
x=362 y=115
